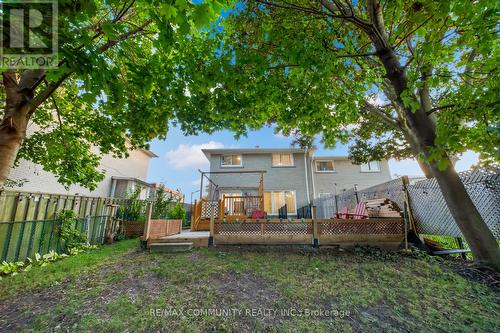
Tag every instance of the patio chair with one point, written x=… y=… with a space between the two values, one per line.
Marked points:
x=343 y=214
x=360 y=211
x=258 y=214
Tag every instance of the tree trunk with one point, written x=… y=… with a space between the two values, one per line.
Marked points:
x=424 y=166
x=476 y=232
x=12 y=134
x=19 y=92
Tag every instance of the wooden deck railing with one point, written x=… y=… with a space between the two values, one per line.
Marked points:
x=227 y=207
x=240 y=206
x=308 y=231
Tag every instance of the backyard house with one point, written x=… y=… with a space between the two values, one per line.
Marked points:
x=270 y=179
x=122 y=176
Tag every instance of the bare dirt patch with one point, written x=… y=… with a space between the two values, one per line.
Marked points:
x=247 y=292
x=118 y=279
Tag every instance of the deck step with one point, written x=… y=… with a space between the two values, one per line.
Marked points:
x=170 y=247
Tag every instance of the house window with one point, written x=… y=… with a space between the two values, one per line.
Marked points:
x=324 y=166
x=274 y=200
x=372 y=166
x=324 y=195
x=282 y=160
x=231 y=161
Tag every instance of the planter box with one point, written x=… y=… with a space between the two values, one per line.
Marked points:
x=162 y=228
x=133 y=228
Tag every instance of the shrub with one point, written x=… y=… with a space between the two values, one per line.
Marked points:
x=69 y=235
x=177 y=212
x=135 y=208
x=162 y=205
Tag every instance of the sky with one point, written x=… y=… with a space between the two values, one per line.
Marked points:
x=180 y=156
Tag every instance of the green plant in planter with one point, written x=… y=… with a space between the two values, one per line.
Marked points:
x=177 y=212
x=162 y=204
x=135 y=208
x=69 y=235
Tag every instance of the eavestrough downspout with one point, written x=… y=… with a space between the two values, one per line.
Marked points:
x=312 y=178
x=307 y=176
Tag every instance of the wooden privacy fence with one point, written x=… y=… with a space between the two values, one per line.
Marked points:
x=22 y=239
x=306 y=231
x=34 y=206
x=28 y=220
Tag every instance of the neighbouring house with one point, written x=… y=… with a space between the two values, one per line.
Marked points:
x=283 y=176
x=122 y=176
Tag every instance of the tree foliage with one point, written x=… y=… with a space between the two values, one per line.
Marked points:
x=304 y=69
x=110 y=90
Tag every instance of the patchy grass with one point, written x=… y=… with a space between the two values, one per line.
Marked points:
x=119 y=288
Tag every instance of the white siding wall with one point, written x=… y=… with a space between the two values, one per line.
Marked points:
x=346 y=175
x=136 y=166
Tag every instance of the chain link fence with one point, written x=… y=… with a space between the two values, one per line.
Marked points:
x=427 y=203
x=432 y=215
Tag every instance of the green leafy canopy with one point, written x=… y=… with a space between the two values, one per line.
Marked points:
x=116 y=60
x=297 y=66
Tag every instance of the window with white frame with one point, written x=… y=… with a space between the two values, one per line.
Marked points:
x=230 y=161
x=282 y=160
x=325 y=166
x=274 y=200
x=372 y=166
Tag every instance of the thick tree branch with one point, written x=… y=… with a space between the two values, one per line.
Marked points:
x=368 y=107
x=403 y=39
x=375 y=12
x=47 y=92
x=437 y=108
x=125 y=36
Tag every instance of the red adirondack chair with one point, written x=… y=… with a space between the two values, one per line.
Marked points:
x=258 y=214
x=343 y=214
x=360 y=211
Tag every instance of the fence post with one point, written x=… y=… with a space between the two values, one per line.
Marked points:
x=212 y=226
x=110 y=225
x=315 y=233
x=147 y=225
x=336 y=204
x=221 y=207
x=356 y=193
x=406 y=182
x=461 y=247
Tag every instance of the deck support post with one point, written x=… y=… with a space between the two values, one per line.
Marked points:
x=147 y=226
x=315 y=234
x=212 y=226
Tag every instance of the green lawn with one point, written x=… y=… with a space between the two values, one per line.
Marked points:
x=119 y=288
